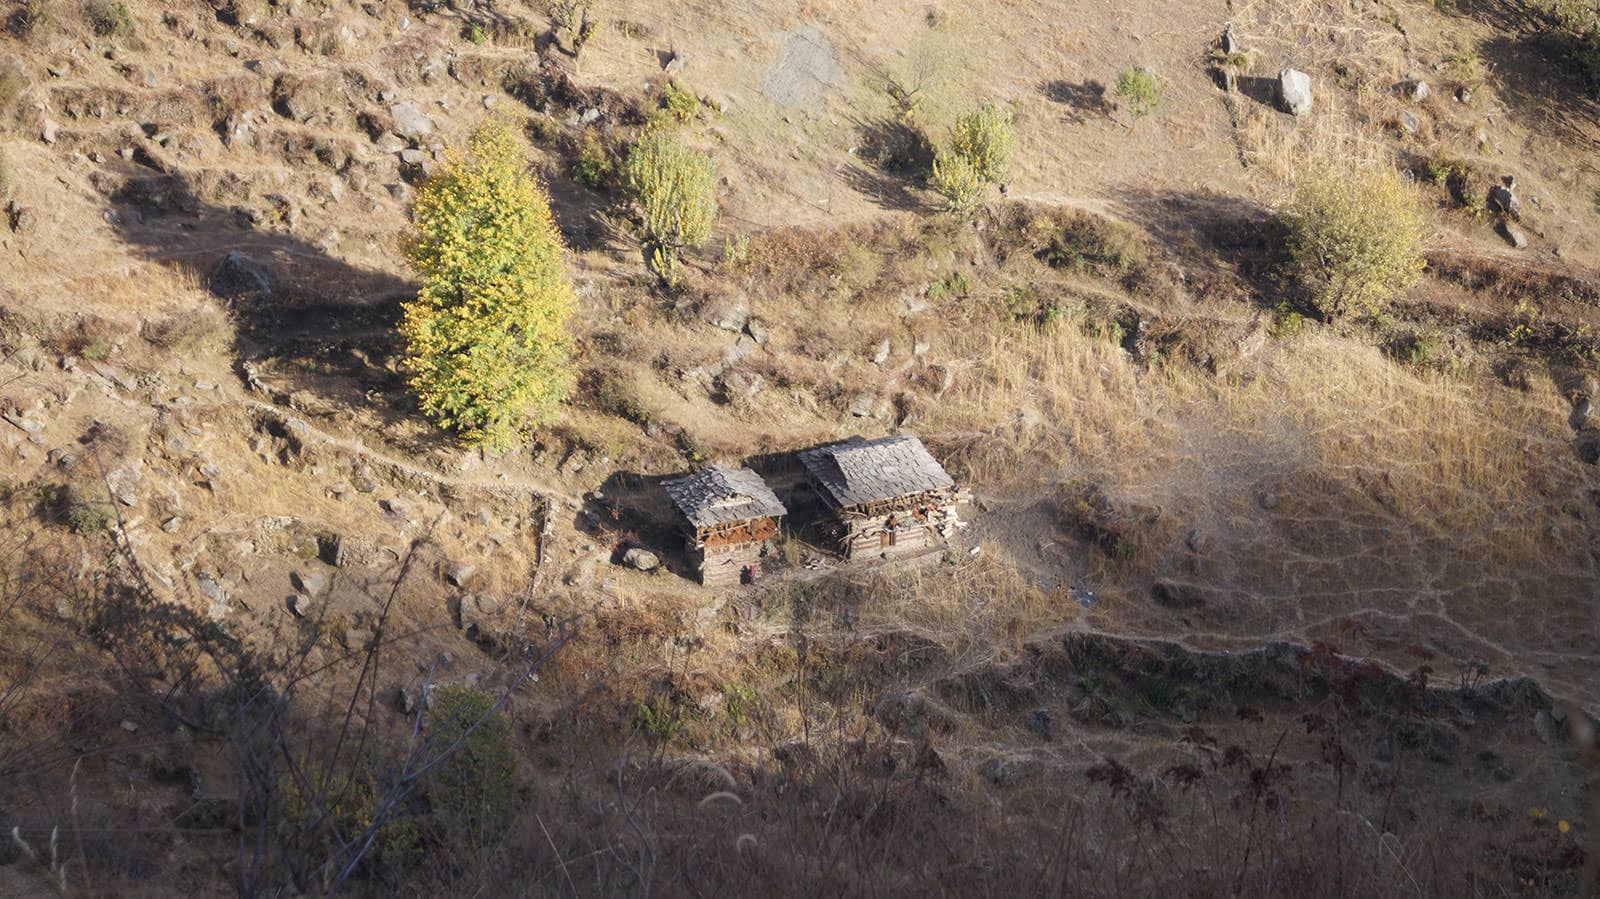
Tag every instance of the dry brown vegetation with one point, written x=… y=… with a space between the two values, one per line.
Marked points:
x=1249 y=603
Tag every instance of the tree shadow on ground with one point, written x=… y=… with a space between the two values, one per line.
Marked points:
x=1205 y=231
x=1086 y=99
x=894 y=158
x=311 y=331
x=1534 y=64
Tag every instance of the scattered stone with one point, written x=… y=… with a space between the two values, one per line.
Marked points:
x=1503 y=198
x=1230 y=43
x=674 y=63
x=730 y=313
x=299 y=605
x=757 y=331
x=172 y=524
x=1546 y=726
x=881 y=354
x=1294 y=91
x=641 y=559
x=1002 y=771
x=1415 y=91
x=1513 y=235
x=408 y=700
x=49 y=131
x=1463 y=94
x=459 y=575
x=213 y=591
x=1040 y=722
x=311 y=582
x=1409 y=123
x=863 y=404
x=475 y=609
x=410 y=122
x=238 y=275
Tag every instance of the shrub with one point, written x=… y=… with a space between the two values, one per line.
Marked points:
x=29 y=19
x=110 y=19
x=326 y=807
x=1580 y=20
x=677 y=104
x=474 y=788
x=958 y=180
x=571 y=18
x=675 y=188
x=475 y=34
x=1138 y=88
x=1351 y=239
x=487 y=346
x=594 y=167
x=83 y=509
x=984 y=137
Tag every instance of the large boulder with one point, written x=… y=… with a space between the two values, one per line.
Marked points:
x=1503 y=199
x=238 y=275
x=641 y=559
x=1294 y=91
x=730 y=313
x=411 y=123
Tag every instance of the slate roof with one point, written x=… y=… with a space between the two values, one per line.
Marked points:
x=717 y=495
x=867 y=471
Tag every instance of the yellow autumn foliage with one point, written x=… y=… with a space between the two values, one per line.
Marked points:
x=487 y=348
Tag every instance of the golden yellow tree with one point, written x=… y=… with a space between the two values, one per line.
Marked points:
x=487 y=349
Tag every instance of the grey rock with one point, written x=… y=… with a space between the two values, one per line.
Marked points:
x=412 y=156
x=215 y=594
x=410 y=122
x=757 y=330
x=1546 y=726
x=475 y=610
x=863 y=404
x=1040 y=722
x=1294 y=91
x=310 y=582
x=1415 y=91
x=1513 y=235
x=238 y=275
x=1409 y=123
x=881 y=354
x=674 y=63
x=1503 y=200
x=49 y=131
x=172 y=524
x=1002 y=771
x=299 y=605
x=1230 y=43
x=459 y=575
x=730 y=313
x=641 y=559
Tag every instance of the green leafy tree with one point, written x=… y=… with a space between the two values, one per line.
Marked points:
x=474 y=788
x=1351 y=237
x=487 y=344
x=984 y=137
x=675 y=187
